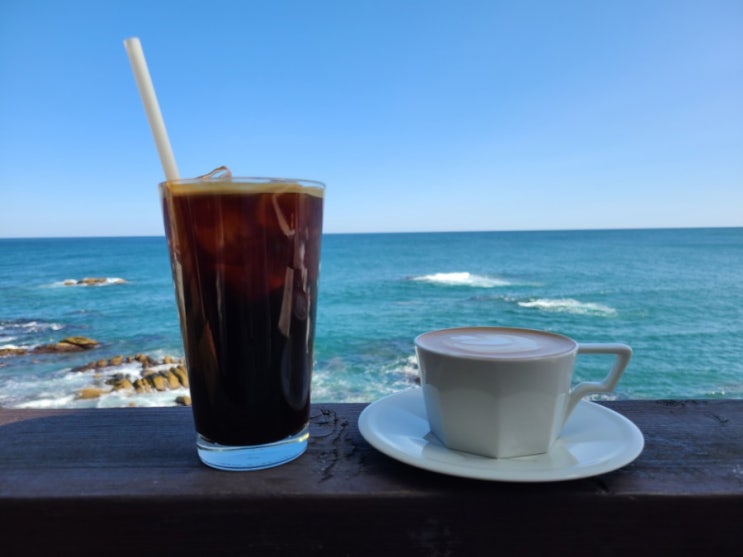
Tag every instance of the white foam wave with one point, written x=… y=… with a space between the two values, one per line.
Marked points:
x=9 y=346
x=91 y=281
x=19 y=334
x=116 y=399
x=337 y=380
x=25 y=327
x=569 y=305
x=462 y=279
x=62 y=401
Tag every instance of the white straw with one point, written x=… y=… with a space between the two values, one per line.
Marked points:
x=151 y=107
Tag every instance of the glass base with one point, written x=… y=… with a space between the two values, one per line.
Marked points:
x=253 y=457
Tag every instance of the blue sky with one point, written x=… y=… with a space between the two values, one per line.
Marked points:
x=418 y=115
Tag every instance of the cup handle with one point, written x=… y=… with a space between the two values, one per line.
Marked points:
x=622 y=353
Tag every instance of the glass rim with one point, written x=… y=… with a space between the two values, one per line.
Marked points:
x=243 y=180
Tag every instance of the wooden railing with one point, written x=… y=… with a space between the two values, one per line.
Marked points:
x=128 y=481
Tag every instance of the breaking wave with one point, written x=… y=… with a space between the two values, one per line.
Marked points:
x=355 y=382
x=13 y=330
x=29 y=326
x=569 y=305
x=462 y=279
x=24 y=334
x=91 y=281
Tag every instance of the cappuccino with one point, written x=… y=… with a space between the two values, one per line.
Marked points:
x=505 y=392
x=496 y=343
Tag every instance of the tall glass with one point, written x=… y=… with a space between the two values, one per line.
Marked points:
x=245 y=256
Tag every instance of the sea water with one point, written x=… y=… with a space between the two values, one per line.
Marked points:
x=675 y=296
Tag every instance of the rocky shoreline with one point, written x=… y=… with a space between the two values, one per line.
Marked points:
x=153 y=375
x=135 y=374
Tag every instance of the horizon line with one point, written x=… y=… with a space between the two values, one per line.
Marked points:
x=359 y=233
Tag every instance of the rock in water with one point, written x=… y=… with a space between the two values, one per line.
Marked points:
x=90 y=392
x=69 y=344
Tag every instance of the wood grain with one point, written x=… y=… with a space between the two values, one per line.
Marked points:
x=126 y=480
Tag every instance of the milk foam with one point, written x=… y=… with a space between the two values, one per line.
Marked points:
x=495 y=343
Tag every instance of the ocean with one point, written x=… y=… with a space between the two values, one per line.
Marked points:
x=674 y=295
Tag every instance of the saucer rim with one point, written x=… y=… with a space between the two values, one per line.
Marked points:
x=493 y=471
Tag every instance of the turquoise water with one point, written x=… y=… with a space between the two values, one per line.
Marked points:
x=675 y=296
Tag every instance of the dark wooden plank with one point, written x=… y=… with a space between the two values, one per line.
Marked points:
x=129 y=479
x=691 y=446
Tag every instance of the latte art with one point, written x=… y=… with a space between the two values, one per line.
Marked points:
x=496 y=343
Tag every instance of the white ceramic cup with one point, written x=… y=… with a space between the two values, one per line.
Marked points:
x=505 y=392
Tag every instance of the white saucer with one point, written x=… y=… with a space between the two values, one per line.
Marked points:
x=595 y=440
